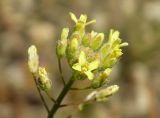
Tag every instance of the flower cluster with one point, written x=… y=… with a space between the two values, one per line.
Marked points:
x=90 y=54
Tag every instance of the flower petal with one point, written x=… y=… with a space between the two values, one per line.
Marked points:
x=82 y=58
x=73 y=17
x=89 y=75
x=77 y=66
x=93 y=65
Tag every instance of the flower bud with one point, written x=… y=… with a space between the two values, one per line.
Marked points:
x=113 y=35
x=86 y=40
x=64 y=33
x=108 y=62
x=33 y=59
x=62 y=43
x=103 y=94
x=80 y=25
x=72 y=50
x=43 y=81
x=61 y=48
x=104 y=50
x=97 y=41
x=101 y=79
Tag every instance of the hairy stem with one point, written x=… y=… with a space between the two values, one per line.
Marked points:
x=60 y=98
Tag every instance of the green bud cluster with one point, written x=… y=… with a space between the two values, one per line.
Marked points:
x=90 y=54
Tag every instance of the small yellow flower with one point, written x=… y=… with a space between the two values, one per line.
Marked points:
x=33 y=59
x=85 y=67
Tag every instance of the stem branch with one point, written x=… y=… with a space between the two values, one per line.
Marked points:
x=60 y=98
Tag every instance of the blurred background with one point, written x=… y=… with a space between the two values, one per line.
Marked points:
x=39 y=22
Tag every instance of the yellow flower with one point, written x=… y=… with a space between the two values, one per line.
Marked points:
x=33 y=59
x=85 y=67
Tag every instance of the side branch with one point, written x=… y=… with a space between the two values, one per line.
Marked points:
x=60 y=98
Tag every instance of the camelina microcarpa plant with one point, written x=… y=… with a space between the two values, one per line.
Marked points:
x=90 y=55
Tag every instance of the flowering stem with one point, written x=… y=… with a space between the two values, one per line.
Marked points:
x=60 y=98
x=41 y=96
x=60 y=71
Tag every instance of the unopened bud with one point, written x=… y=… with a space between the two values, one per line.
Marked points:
x=101 y=79
x=72 y=50
x=33 y=59
x=61 y=48
x=43 y=81
x=103 y=94
x=113 y=35
x=64 y=33
x=86 y=40
x=97 y=41
x=62 y=43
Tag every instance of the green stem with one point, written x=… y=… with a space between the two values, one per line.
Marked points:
x=60 y=98
x=50 y=97
x=41 y=96
x=60 y=71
